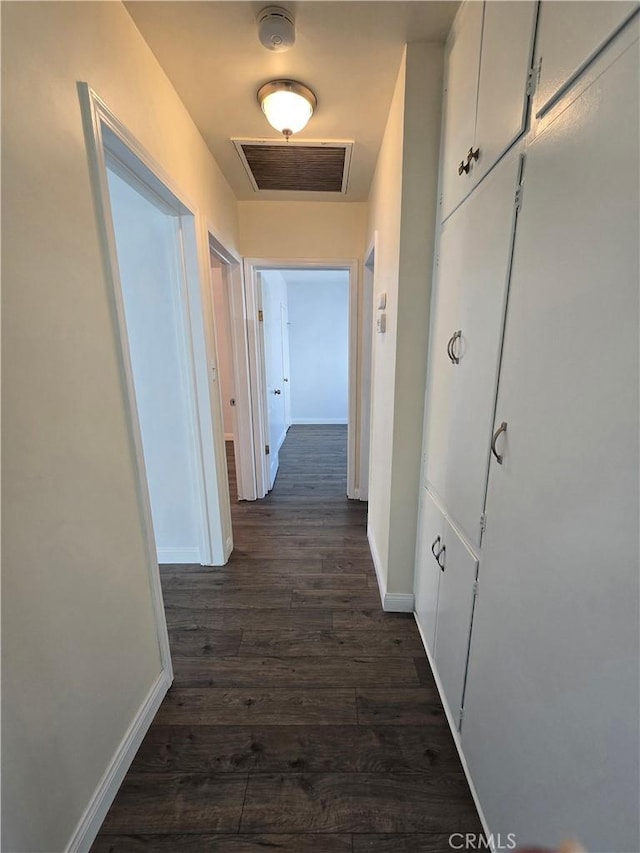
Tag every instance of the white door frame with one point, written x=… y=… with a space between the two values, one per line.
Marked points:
x=252 y=266
x=365 y=377
x=105 y=132
x=243 y=420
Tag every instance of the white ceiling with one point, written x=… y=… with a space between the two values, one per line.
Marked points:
x=347 y=52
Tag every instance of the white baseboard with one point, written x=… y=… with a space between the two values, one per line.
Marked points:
x=178 y=555
x=87 y=829
x=392 y=602
x=453 y=725
x=228 y=436
x=319 y=421
x=398 y=602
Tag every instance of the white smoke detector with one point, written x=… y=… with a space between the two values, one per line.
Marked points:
x=276 y=28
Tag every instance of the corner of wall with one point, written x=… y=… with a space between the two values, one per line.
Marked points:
x=420 y=144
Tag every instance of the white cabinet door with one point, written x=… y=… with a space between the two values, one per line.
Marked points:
x=445 y=311
x=507 y=48
x=455 y=610
x=469 y=298
x=550 y=731
x=486 y=237
x=427 y=572
x=461 y=90
x=569 y=35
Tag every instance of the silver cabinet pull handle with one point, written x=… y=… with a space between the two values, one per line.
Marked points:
x=442 y=553
x=472 y=155
x=456 y=337
x=449 y=353
x=502 y=428
x=435 y=542
x=463 y=168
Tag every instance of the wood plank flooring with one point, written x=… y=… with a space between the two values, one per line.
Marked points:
x=302 y=718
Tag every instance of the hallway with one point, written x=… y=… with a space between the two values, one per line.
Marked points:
x=302 y=718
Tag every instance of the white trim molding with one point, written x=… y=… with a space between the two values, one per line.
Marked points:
x=178 y=555
x=95 y=116
x=392 y=602
x=89 y=825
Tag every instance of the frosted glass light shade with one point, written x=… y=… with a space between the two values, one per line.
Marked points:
x=287 y=105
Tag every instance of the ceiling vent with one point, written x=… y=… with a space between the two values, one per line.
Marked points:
x=296 y=166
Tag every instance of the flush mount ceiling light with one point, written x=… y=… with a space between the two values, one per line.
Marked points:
x=287 y=104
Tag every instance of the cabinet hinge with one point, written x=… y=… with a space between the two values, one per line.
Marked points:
x=260 y=316
x=460 y=719
x=483 y=522
x=518 y=198
x=532 y=79
x=267 y=450
x=475 y=589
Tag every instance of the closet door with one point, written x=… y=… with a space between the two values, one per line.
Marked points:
x=550 y=731
x=461 y=90
x=428 y=571
x=483 y=242
x=569 y=34
x=455 y=609
x=445 y=312
x=506 y=58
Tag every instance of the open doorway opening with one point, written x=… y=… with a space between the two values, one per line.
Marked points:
x=304 y=351
x=226 y=372
x=229 y=319
x=149 y=247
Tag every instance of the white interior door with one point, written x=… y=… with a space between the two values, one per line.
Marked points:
x=286 y=367
x=551 y=708
x=274 y=374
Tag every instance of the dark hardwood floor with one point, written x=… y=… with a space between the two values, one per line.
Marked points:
x=302 y=718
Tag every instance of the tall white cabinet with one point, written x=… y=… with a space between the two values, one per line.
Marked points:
x=527 y=564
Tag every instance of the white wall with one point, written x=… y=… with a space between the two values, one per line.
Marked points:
x=147 y=245
x=402 y=217
x=80 y=652
x=319 y=345
x=222 y=314
x=307 y=230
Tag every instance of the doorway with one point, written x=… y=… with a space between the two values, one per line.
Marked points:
x=149 y=247
x=229 y=320
x=154 y=263
x=304 y=356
